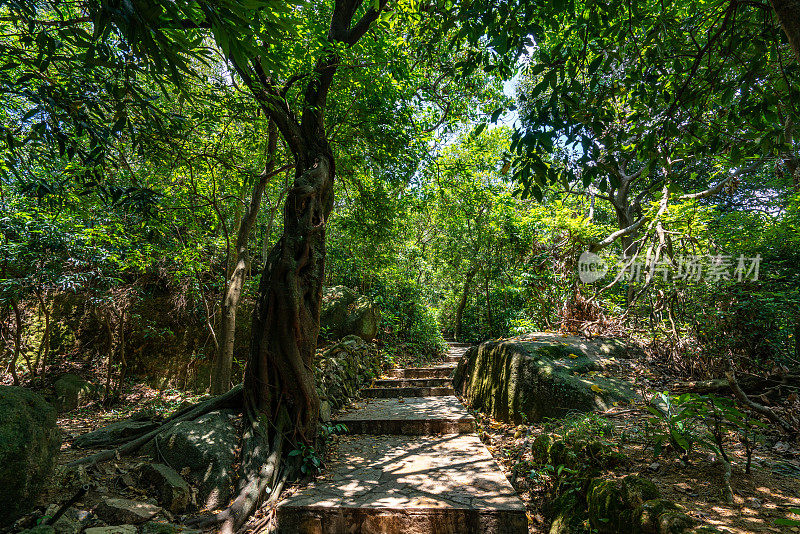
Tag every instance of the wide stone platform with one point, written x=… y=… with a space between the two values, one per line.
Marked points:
x=385 y=393
x=410 y=416
x=446 y=484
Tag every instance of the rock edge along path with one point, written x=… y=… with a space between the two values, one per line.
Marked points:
x=410 y=463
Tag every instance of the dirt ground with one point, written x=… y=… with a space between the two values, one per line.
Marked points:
x=767 y=493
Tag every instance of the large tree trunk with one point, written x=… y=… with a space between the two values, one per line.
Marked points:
x=221 y=377
x=286 y=322
x=279 y=377
x=788 y=12
x=462 y=303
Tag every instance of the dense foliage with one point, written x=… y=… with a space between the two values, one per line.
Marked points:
x=133 y=141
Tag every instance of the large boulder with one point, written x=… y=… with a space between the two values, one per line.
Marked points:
x=542 y=375
x=70 y=392
x=632 y=505
x=207 y=447
x=344 y=312
x=612 y=502
x=29 y=443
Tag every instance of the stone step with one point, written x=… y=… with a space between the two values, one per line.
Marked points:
x=441 y=371
x=385 y=393
x=399 y=485
x=412 y=416
x=459 y=345
x=412 y=383
x=453 y=358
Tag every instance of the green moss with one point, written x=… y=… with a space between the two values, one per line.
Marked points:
x=512 y=380
x=569 y=515
x=612 y=502
x=29 y=443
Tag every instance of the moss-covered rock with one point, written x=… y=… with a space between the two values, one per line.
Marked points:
x=333 y=312
x=574 y=453
x=612 y=502
x=344 y=312
x=363 y=319
x=569 y=514
x=631 y=505
x=29 y=443
x=207 y=446
x=542 y=375
x=70 y=392
x=172 y=491
x=155 y=527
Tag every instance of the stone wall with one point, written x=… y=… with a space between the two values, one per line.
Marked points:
x=343 y=369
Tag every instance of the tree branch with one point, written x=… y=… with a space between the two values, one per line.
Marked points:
x=361 y=27
x=718 y=187
x=619 y=233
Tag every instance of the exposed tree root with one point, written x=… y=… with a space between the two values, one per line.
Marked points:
x=261 y=466
x=233 y=398
x=262 y=469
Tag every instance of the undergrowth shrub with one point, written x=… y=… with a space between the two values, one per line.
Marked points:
x=406 y=322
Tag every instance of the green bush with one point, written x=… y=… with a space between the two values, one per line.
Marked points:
x=406 y=320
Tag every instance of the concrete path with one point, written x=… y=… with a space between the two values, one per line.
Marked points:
x=410 y=463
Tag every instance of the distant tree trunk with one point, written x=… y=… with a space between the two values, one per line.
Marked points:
x=122 y=357
x=110 y=360
x=17 y=341
x=489 y=314
x=788 y=12
x=44 y=347
x=221 y=377
x=462 y=302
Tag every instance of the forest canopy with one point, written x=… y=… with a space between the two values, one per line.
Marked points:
x=183 y=180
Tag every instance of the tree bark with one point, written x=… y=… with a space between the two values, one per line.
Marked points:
x=788 y=12
x=489 y=314
x=279 y=376
x=462 y=303
x=43 y=352
x=271 y=220
x=17 y=341
x=221 y=377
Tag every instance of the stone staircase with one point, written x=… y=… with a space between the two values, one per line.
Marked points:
x=410 y=463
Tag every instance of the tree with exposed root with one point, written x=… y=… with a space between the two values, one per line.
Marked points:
x=278 y=398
